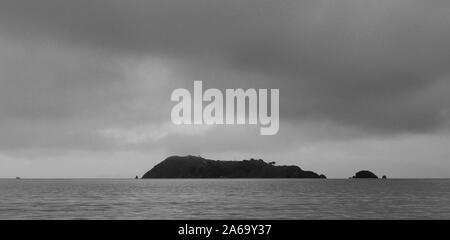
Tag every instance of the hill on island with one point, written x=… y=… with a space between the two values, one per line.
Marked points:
x=198 y=167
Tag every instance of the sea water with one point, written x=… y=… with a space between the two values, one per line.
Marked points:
x=225 y=199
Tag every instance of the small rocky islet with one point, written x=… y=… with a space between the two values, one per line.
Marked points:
x=367 y=174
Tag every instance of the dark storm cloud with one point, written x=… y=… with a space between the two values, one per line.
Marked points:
x=373 y=65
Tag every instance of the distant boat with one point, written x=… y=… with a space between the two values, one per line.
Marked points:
x=17 y=177
x=136 y=177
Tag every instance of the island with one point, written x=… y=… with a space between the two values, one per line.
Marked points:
x=365 y=174
x=199 y=167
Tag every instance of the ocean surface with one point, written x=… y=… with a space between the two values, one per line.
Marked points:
x=225 y=199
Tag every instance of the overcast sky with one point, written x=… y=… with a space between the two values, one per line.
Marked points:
x=85 y=85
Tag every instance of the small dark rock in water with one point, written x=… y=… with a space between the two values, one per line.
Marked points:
x=384 y=177
x=365 y=174
x=136 y=177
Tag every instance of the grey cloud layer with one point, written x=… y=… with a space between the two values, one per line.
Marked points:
x=379 y=66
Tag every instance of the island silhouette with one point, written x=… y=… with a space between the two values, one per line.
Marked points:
x=199 y=167
x=366 y=174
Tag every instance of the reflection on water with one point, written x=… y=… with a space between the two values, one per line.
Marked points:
x=225 y=199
